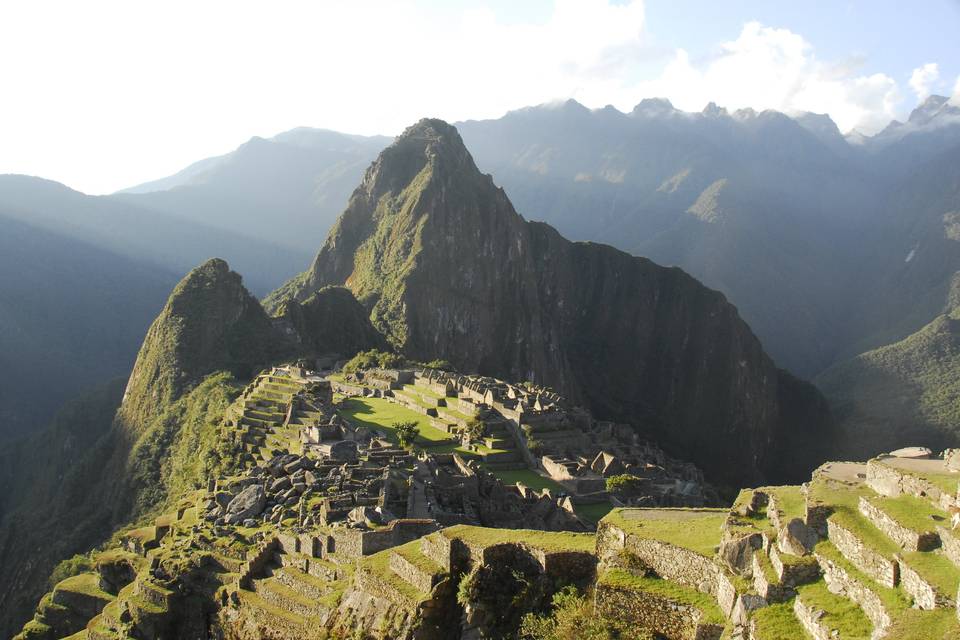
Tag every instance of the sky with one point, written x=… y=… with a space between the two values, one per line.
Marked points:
x=106 y=94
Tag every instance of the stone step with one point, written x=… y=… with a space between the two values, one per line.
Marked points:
x=931 y=579
x=766 y=582
x=864 y=546
x=272 y=616
x=827 y=616
x=880 y=604
x=310 y=587
x=908 y=521
x=280 y=595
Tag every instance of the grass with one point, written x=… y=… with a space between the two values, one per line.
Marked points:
x=778 y=622
x=547 y=541
x=894 y=601
x=936 y=569
x=253 y=600
x=593 y=512
x=619 y=579
x=379 y=414
x=790 y=501
x=379 y=564
x=528 y=477
x=940 y=624
x=87 y=584
x=855 y=522
x=412 y=553
x=840 y=614
x=698 y=530
x=911 y=512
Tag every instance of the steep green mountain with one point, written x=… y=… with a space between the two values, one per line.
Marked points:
x=111 y=459
x=71 y=316
x=449 y=270
x=906 y=393
x=303 y=176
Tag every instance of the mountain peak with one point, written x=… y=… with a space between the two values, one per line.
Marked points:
x=652 y=107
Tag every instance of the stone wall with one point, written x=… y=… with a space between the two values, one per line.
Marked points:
x=925 y=595
x=809 y=618
x=839 y=581
x=673 y=620
x=883 y=570
x=674 y=563
x=794 y=572
x=892 y=482
x=906 y=538
x=422 y=580
x=950 y=543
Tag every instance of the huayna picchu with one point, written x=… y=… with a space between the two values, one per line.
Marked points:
x=458 y=424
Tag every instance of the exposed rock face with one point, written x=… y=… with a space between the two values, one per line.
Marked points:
x=448 y=269
x=248 y=503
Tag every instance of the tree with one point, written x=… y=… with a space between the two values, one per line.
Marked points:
x=407 y=432
x=475 y=430
x=624 y=484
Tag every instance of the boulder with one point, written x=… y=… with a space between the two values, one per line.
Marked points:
x=951 y=459
x=796 y=538
x=280 y=484
x=247 y=504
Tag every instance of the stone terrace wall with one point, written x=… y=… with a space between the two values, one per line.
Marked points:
x=883 y=570
x=925 y=595
x=671 y=619
x=893 y=482
x=809 y=617
x=906 y=538
x=844 y=584
x=950 y=543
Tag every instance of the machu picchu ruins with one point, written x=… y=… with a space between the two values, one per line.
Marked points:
x=330 y=528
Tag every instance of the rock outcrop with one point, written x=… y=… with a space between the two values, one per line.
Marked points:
x=447 y=269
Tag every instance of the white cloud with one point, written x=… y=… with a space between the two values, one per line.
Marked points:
x=956 y=93
x=109 y=93
x=922 y=79
x=769 y=68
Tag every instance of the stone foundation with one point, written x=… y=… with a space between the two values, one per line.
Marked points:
x=925 y=595
x=673 y=620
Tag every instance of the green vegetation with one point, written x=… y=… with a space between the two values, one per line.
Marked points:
x=841 y=614
x=911 y=512
x=593 y=512
x=529 y=478
x=70 y=567
x=624 y=484
x=572 y=616
x=777 y=622
x=380 y=415
x=894 y=600
x=913 y=624
x=936 y=569
x=180 y=449
x=373 y=359
x=705 y=603
x=439 y=365
x=698 y=530
x=547 y=541
x=911 y=386
x=406 y=432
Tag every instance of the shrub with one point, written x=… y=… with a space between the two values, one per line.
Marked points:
x=441 y=365
x=373 y=359
x=475 y=429
x=573 y=617
x=70 y=567
x=624 y=484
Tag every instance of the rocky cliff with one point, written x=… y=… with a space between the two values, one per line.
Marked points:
x=447 y=268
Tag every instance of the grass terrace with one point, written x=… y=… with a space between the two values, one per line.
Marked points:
x=547 y=541
x=894 y=600
x=593 y=512
x=914 y=624
x=698 y=530
x=528 y=477
x=778 y=622
x=380 y=414
x=840 y=614
x=619 y=579
x=936 y=569
x=945 y=481
x=911 y=512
